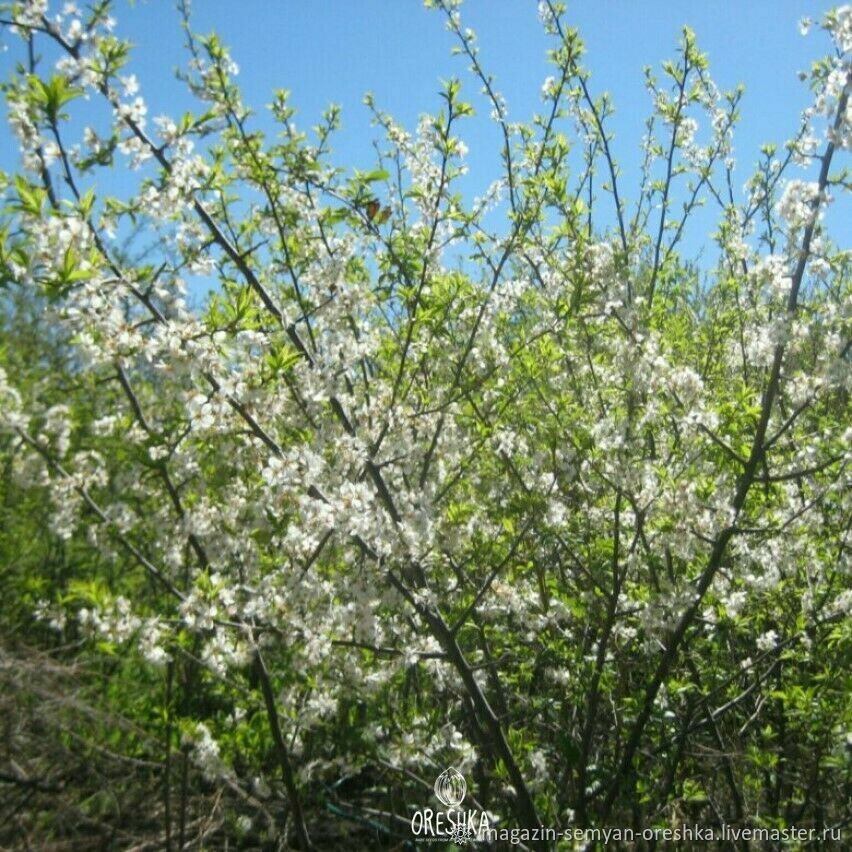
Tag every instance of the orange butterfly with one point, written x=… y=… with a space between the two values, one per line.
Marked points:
x=376 y=213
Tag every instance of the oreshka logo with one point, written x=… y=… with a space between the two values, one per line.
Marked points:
x=450 y=788
x=455 y=824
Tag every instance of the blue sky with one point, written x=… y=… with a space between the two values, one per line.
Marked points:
x=336 y=50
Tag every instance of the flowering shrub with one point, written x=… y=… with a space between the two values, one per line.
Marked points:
x=540 y=500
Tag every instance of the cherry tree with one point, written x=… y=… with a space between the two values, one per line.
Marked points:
x=508 y=484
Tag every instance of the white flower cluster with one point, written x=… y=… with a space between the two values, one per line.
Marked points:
x=114 y=621
x=205 y=752
x=798 y=204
